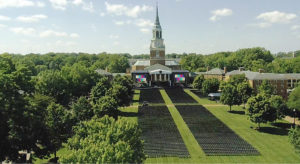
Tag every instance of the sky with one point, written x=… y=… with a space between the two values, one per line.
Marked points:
x=124 y=26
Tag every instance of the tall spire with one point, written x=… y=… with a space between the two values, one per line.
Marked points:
x=157 y=18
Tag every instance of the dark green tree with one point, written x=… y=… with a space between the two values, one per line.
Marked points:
x=244 y=92
x=106 y=105
x=260 y=109
x=198 y=81
x=100 y=89
x=120 y=94
x=279 y=104
x=59 y=125
x=294 y=100
x=230 y=95
x=266 y=88
x=82 y=109
x=124 y=81
x=294 y=138
x=210 y=86
x=53 y=84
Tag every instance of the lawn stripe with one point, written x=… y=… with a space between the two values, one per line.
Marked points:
x=188 y=138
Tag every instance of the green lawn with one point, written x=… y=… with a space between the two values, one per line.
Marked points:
x=202 y=100
x=272 y=143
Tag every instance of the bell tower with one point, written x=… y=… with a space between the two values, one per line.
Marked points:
x=157 y=47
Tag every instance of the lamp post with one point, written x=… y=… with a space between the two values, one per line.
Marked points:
x=294 y=117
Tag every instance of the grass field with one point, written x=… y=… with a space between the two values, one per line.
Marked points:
x=271 y=142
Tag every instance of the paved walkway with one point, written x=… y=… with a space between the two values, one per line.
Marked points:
x=291 y=120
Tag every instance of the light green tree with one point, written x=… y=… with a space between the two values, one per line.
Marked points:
x=105 y=140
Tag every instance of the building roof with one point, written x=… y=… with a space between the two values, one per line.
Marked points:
x=156 y=67
x=142 y=63
x=265 y=76
x=147 y=63
x=180 y=71
x=292 y=75
x=215 y=71
x=140 y=71
x=103 y=72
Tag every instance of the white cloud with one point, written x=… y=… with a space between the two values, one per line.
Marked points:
x=40 y=4
x=16 y=3
x=59 y=4
x=20 y=3
x=88 y=7
x=4 y=18
x=145 y=30
x=113 y=36
x=295 y=27
x=144 y=23
x=120 y=9
x=276 y=17
x=116 y=43
x=74 y=35
x=120 y=23
x=102 y=14
x=33 y=18
x=261 y=25
x=49 y=33
x=23 y=31
x=77 y=2
x=2 y=26
x=220 y=13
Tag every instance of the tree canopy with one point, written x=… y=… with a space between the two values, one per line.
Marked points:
x=105 y=141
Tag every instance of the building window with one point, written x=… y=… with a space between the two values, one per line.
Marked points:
x=157 y=54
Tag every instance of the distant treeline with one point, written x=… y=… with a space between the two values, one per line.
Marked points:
x=251 y=59
x=115 y=63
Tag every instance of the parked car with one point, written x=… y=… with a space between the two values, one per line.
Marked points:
x=214 y=96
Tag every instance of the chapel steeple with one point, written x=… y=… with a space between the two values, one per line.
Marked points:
x=157 y=18
x=157 y=46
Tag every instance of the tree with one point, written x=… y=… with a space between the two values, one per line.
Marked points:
x=59 y=125
x=36 y=109
x=210 y=86
x=192 y=62
x=120 y=94
x=80 y=79
x=294 y=137
x=124 y=81
x=82 y=109
x=229 y=95
x=100 y=89
x=53 y=84
x=197 y=83
x=17 y=118
x=105 y=141
x=237 y=79
x=260 y=109
x=118 y=64
x=106 y=105
x=244 y=92
x=278 y=103
x=294 y=99
x=266 y=88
